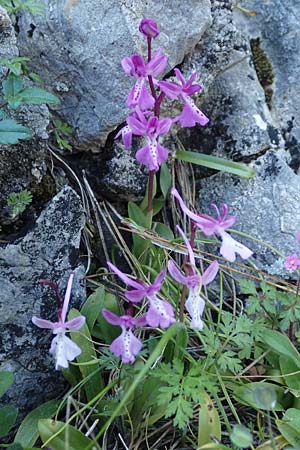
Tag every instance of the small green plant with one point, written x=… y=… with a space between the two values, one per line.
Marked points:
x=15 y=93
x=14 y=6
x=18 y=201
x=62 y=131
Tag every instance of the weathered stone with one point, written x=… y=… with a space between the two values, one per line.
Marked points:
x=77 y=47
x=49 y=251
x=276 y=26
x=265 y=206
x=240 y=122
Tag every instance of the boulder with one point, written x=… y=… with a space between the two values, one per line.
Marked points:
x=49 y=251
x=77 y=46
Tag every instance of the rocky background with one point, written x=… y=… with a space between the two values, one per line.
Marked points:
x=248 y=64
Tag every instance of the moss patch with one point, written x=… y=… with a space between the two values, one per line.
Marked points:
x=263 y=69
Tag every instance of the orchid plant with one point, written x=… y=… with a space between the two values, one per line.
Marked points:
x=62 y=347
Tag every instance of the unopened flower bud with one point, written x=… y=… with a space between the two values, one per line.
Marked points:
x=149 y=28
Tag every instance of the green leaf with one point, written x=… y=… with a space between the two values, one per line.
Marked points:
x=70 y=438
x=213 y=162
x=163 y=231
x=8 y=415
x=92 y=306
x=136 y=214
x=241 y=436
x=288 y=366
x=37 y=96
x=209 y=424
x=261 y=395
x=280 y=344
x=16 y=446
x=28 y=430
x=165 y=179
x=11 y=88
x=247 y=286
x=6 y=380
x=289 y=433
x=84 y=340
x=11 y=132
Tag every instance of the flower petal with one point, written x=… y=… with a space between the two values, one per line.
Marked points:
x=230 y=247
x=176 y=273
x=42 y=323
x=64 y=350
x=195 y=306
x=210 y=273
x=126 y=346
x=112 y=318
x=75 y=324
x=160 y=313
x=124 y=277
x=67 y=297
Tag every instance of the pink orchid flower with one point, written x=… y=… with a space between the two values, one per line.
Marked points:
x=210 y=226
x=62 y=348
x=126 y=346
x=195 y=303
x=160 y=312
x=135 y=66
x=190 y=114
x=152 y=154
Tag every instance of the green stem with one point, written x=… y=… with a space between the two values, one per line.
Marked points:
x=169 y=334
x=150 y=190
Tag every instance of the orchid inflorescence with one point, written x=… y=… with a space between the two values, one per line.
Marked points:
x=144 y=121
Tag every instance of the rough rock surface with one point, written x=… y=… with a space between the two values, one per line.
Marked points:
x=49 y=251
x=77 y=47
x=265 y=207
x=276 y=27
x=234 y=100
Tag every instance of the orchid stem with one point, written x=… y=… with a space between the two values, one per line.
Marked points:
x=150 y=190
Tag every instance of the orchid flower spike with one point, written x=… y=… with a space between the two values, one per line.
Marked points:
x=190 y=114
x=195 y=303
x=126 y=346
x=210 y=226
x=160 y=312
x=62 y=348
x=135 y=66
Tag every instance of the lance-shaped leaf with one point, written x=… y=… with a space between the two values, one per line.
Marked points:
x=37 y=96
x=11 y=132
x=213 y=162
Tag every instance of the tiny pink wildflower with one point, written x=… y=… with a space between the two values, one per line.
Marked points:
x=292 y=262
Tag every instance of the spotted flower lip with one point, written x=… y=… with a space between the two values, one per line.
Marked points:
x=152 y=154
x=62 y=348
x=190 y=115
x=135 y=66
x=160 y=312
x=126 y=346
x=211 y=226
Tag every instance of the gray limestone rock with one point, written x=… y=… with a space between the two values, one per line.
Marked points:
x=266 y=207
x=233 y=98
x=77 y=47
x=276 y=29
x=49 y=251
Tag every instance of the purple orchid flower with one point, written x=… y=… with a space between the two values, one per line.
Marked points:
x=210 y=226
x=160 y=312
x=152 y=154
x=126 y=346
x=62 y=348
x=148 y=28
x=135 y=66
x=195 y=303
x=190 y=114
